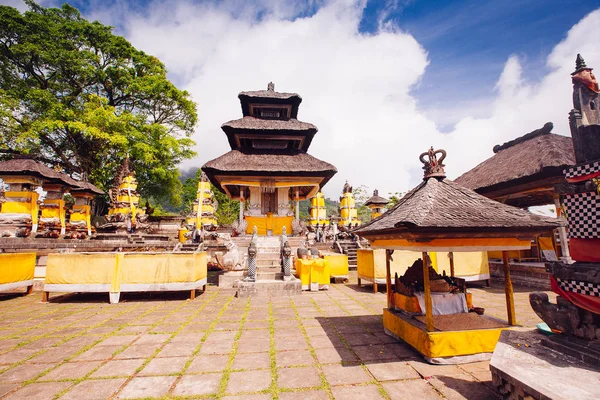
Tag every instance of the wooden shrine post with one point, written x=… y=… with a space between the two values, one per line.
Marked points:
x=426 y=284
x=451 y=256
x=508 y=290
x=388 y=279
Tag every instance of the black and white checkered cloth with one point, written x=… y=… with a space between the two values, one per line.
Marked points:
x=582 y=170
x=583 y=213
x=587 y=288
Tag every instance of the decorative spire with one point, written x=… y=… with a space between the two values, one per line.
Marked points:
x=580 y=65
x=203 y=177
x=375 y=192
x=433 y=167
x=347 y=188
x=271 y=87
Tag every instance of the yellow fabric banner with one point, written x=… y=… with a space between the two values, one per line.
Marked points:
x=17 y=267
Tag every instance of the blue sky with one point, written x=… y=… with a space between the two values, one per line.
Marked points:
x=383 y=80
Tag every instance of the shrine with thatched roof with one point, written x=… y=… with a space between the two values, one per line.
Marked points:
x=268 y=168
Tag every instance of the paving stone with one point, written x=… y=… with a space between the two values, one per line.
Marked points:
x=6 y=388
x=17 y=355
x=208 y=363
x=294 y=378
x=55 y=355
x=178 y=349
x=97 y=353
x=411 y=389
x=291 y=343
x=147 y=386
x=118 y=368
x=164 y=366
x=118 y=340
x=428 y=370
x=23 y=372
x=252 y=361
x=338 y=374
x=71 y=370
x=356 y=393
x=94 y=389
x=81 y=341
x=149 y=338
x=138 y=351
x=39 y=391
x=134 y=329
x=304 y=395
x=248 y=381
x=335 y=355
x=326 y=341
x=293 y=357
x=253 y=346
x=462 y=387
x=216 y=348
x=204 y=384
x=388 y=371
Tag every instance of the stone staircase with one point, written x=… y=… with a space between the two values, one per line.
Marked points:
x=349 y=248
x=268 y=258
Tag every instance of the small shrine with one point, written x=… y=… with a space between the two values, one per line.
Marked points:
x=432 y=312
x=80 y=219
x=22 y=212
x=204 y=207
x=348 y=212
x=377 y=204
x=268 y=168
x=124 y=213
x=318 y=211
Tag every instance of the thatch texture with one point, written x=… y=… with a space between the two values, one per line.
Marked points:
x=269 y=94
x=544 y=155
x=252 y=123
x=26 y=166
x=271 y=162
x=443 y=205
x=377 y=201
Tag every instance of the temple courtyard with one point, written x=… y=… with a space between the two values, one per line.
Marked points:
x=321 y=345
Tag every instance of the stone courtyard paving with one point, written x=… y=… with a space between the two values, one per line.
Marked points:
x=322 y=345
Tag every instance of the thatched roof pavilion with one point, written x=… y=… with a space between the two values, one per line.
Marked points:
x=376 y=200
x=442 y=214
x=524 y=171
x=36 y=169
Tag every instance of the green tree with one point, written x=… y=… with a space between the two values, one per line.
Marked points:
x=360 y=197
x=394 y=198
x=74 y=94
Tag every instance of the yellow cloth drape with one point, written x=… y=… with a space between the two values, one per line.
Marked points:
x=17 y=267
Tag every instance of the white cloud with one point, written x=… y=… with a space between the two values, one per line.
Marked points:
x=356 y=88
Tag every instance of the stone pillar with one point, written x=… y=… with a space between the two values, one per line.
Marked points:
x=251 y=262
x=297 y=205
x=562 y=233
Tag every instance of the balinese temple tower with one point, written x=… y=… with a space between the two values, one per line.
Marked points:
x=348 y=211
x=124 y=211
x=318 y=211
x=377 y=204
x=268 y=168
x=204 y=208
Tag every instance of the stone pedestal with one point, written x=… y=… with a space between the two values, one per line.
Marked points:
x=523 y=366
x=269 y=288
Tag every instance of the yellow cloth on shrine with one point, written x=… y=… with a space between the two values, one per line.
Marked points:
x=545 y=243
x=17 y=267
x=313 y=271
x=115 y=269
x=338 y=264
x=465 y=263
x=371 y=263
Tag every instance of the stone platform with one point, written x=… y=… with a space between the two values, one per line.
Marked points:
x=523 y=366
x=269 y=288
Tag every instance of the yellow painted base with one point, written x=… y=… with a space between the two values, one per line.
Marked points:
x=114 y=270
x=269 y=222
x=313 y=271
x=440 y=344
x=338 y=264
x=16 y=267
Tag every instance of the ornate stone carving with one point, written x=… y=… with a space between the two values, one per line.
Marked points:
x=432 y=166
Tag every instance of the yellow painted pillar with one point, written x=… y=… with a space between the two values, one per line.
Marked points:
x=427 y=286
x=508 y=290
